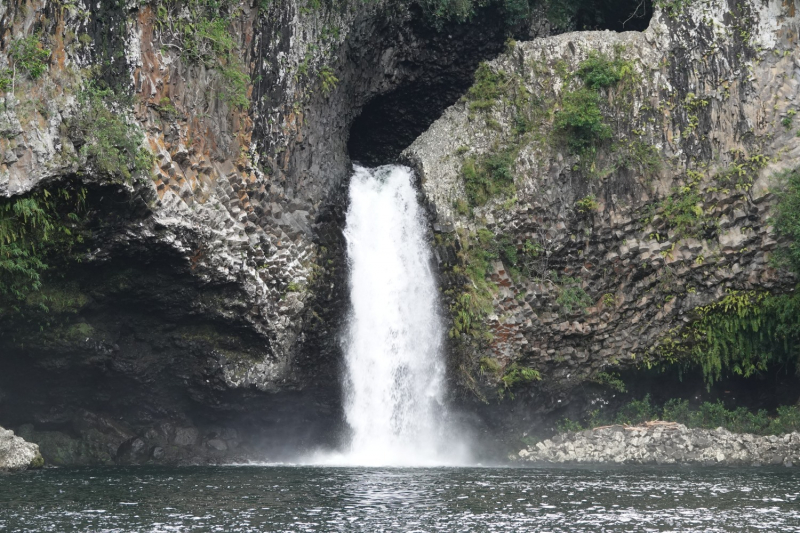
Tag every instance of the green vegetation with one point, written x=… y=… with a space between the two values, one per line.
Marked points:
x=635 y=155
x=6 y=79
x=488 y=88
x=598 y=71
x=166 y=109
x=516 y=375
x=741 y=174
x=611 y=380
x=581 y=121
x=682 y=212
x=587 y=204
x=106 y=138
x=571 y=295
x=34 y=228
x=471 y=306
x=673 y=8
x=327 y=80
x=508 y=378
x=492 y=174
x=29 y=56
x=707 y=415
x=200 y=31
x=488 y=176
x=744 y=333
x=787 y=219
x=489 y=365
x=294 y=287
x=692 y=103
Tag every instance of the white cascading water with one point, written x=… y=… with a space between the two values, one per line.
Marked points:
x=393 y=344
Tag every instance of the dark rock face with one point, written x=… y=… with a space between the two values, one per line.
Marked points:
x=436 y=67
x=201 y=322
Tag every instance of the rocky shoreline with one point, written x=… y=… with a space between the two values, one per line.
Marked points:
x=665 y=443
x=17 y=454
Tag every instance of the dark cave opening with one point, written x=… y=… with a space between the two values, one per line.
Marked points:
x=628 y=15
x=437 y=76
x=445 y=70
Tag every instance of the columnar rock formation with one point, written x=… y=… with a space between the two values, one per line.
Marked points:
x=196 y=317
x=207 y=291
x=700 y=114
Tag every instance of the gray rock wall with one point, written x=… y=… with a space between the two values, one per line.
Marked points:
x=208 y=293
x=711 y=90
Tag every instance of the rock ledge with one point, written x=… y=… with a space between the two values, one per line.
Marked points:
x=665 y=443
x=16 y=454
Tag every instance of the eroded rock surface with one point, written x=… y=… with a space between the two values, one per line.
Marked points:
x=208 y=290
x=16 y=454
x=702 y=118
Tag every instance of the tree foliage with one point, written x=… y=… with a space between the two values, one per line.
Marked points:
x=744 y=333
x=33 y=230
x=787 y=219
x=29 y=56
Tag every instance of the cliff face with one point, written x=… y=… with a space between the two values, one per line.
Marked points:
x=195 y=294
x=593 y=190
x=172 y=178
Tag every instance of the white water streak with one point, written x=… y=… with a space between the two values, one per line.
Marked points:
x=394 y=401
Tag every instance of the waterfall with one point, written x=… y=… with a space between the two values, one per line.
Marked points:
x=394 y=383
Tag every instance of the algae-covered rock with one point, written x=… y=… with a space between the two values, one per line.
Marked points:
x=16 y=454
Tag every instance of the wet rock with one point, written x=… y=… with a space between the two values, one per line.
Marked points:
x=16 y=454
x=185 y=437
x=133 y=451
x=217 y=444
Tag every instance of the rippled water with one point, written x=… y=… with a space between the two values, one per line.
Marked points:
x=298 y=499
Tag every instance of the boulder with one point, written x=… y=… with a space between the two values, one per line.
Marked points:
x=16 y=454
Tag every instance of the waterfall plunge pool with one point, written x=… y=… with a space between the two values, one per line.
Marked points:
x=370 y=500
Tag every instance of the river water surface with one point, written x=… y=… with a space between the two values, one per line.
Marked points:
x=326 y=499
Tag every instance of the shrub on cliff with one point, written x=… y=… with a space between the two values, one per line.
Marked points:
x=744 y=333
x=29 y=56
x=488 y=176
x=104 y=136
x=581 y=121
x=200 y=31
